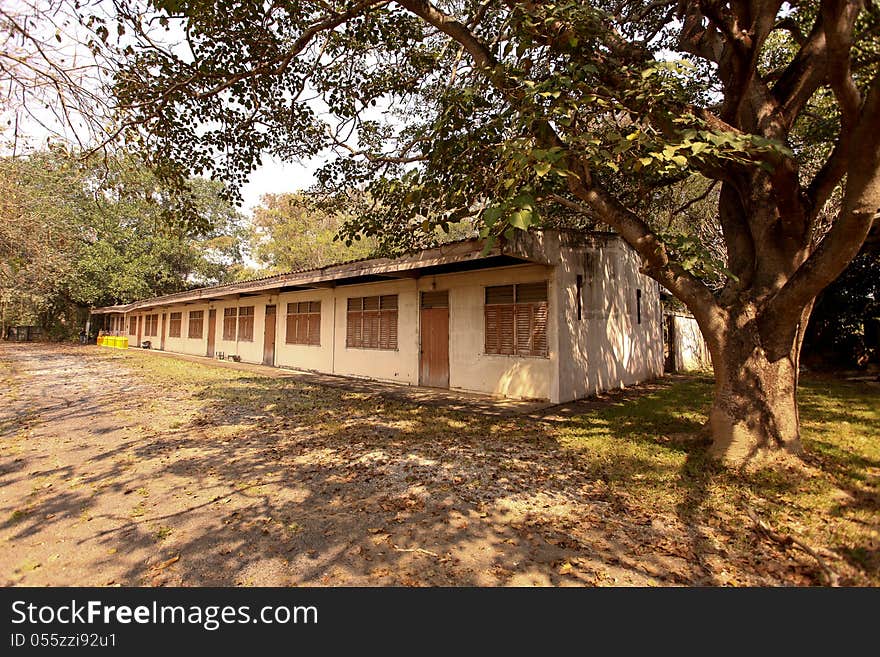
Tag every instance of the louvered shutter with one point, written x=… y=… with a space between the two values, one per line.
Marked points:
x=492 y=341
x=314 y=336
x=505 y=329
x=539 y=330
x=523 y=328
x=290 y=329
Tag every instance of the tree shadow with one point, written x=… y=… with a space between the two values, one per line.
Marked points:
x=285 y=481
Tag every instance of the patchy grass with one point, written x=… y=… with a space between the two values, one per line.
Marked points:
x=284 y=480
x=651 y=451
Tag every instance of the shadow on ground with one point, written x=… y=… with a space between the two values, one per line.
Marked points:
x=160 y=476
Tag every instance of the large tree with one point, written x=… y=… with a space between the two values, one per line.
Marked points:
x=525 y=113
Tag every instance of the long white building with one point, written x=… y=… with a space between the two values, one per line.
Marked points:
x=548 y=315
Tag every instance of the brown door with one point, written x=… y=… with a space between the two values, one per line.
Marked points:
x=212 y=328
x=162 y=334
x=269 y=337
x=139 y=321
x=434 y=355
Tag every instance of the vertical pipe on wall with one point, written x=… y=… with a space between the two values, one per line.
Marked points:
x=556 y=311
x=333 y=338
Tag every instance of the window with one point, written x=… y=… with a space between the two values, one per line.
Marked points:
x=303 y=323
x=151 y=325
x=372 y=322
x=132 y=325
x=246 y=324
x=174 y=322
x=516 y=319
x=195 y=323
x=229 y=323
x=579 y=290
x=638 y=306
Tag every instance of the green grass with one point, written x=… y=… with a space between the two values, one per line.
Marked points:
x=651 y=451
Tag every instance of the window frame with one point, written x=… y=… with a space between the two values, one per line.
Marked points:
x=175 y=324
x=230 y=324
x=372 y=322
x=310 y=316
x=520 y=342
x=245 y=332
x=196 y=335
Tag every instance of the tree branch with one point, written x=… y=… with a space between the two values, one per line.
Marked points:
x=806 y=73
x=608 y=209
x=454 y=29
x=861 y=207
x=838 y=19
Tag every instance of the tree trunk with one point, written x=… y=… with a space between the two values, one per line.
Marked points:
x=755 y=406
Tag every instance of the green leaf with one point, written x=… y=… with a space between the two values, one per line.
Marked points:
x=521 y=219
x=524 y=200
x=543 y=168
x=492 y=214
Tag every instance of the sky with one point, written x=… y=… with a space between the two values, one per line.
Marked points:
x=276 y=177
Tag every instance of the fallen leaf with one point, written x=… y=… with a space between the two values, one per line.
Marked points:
x=168 y=562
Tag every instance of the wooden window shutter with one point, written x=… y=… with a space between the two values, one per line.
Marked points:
x=523 y=328
x=314 y=336
x=505 y=329
x=540 y=346
x=492 y=331
x=388 y=329
x=353 y=330
x=292 y=327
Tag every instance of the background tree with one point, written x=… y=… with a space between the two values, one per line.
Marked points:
x=844 y=330
x=289 y=232
x=513 y=111
x=78 y=232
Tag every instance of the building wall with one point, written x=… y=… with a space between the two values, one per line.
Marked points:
x=184 y=344
x=470 y=368
x=306 y=357
x=607 y=347
x=689 y=349
x=400 y=365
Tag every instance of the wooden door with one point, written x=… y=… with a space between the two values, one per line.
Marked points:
x=140 y=319
x=269 y=337
x=212 y=328
x=162 y=334
x=434 y=353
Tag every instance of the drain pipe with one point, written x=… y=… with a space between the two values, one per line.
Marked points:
x=333 y=339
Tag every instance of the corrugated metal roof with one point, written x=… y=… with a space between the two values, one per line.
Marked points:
x=526 y=246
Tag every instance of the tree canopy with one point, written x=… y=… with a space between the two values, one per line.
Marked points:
x=295 y=231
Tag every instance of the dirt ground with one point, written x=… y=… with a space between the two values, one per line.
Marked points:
x=119 y=470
